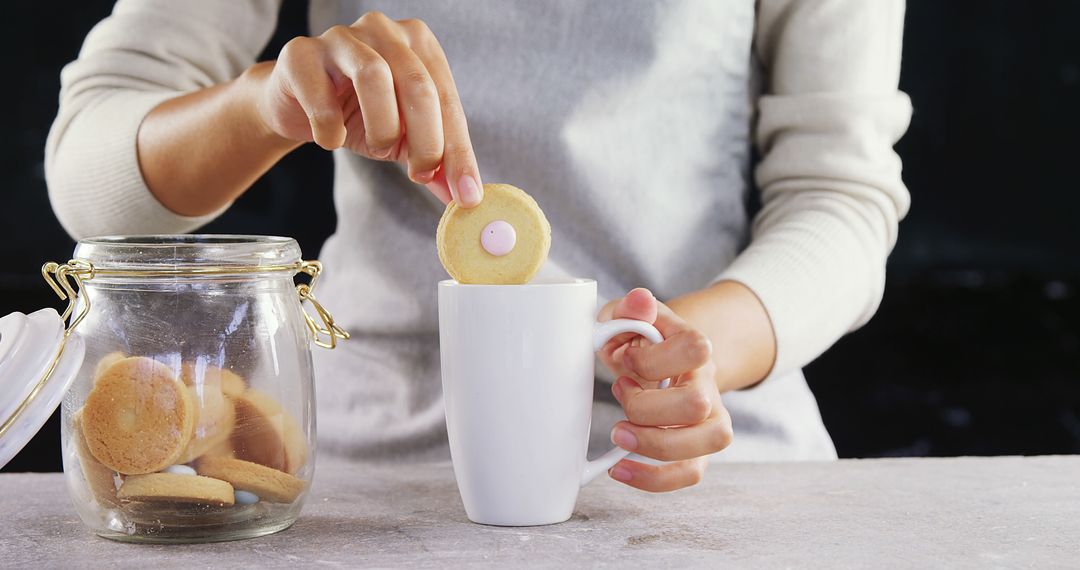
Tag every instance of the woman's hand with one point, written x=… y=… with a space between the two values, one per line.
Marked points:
x=380 y=88
x=681 y=424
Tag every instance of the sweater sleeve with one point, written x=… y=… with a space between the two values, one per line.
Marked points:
x=144 y=53
x=832 y=194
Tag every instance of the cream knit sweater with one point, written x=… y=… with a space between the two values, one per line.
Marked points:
x=630 y=122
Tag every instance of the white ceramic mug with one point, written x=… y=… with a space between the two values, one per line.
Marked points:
x=517 y=374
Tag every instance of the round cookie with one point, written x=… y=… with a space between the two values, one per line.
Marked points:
x=229 y=382
x=503 y=241
x=211 y=388
x=269 y=484
x=107 y=361
x=176 y=488
x=223 y=449
x=139 y=417
x=101 y=480
x=266 y=434
x=216 y=417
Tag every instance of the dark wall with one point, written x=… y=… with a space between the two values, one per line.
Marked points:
x=976 y=347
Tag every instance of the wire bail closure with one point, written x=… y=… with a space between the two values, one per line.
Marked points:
x=66 y=280
x=60 y=279
x=329 y=329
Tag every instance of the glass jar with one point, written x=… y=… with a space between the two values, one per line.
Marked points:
x=192 y=417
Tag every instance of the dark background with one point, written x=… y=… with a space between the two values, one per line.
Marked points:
x=976 y=346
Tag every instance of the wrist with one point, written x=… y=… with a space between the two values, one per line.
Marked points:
x=737 y=324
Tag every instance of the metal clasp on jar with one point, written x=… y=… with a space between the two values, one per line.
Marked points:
x=60 y=279
x=329 y=329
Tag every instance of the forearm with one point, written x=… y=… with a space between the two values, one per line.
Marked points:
x=200 y=151
x=744 y=345
x=830 y=182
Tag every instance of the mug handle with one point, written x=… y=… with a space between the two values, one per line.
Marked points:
x=602 y=333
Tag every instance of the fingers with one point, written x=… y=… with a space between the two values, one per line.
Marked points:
x=403 y=105
x=677 y=443
x=680 y=424
x=459 y=168
x=417 y=95
x=686 y=349
x=440 y=188
x=659 y=478
x=373 y=83
x=687 y=402
x=638 y=304
x=304 y=61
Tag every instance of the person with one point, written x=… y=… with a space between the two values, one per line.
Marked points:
x=631 y=123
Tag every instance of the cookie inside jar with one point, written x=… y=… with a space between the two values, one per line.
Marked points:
x=167 y=447
x=147 y=436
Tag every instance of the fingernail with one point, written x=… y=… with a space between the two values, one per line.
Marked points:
x=624 y=438
x=383 y=154
x=424 y=177
x=616 y=390
x=620 y=473
x=469 y=191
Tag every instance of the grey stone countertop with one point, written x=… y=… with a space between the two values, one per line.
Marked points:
x=965 y=512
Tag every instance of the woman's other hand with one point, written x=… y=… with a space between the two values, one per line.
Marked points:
x=681 y=424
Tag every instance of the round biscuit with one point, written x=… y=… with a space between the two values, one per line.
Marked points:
x=107 y=361
x=176 y=488
x=101 y=480
x=229 y=382
x=458 y=238
x=139 y=417
x=269 y=484
x=216 y=417
x=266 y=434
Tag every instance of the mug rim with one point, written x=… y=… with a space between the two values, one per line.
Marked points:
x=566 y=282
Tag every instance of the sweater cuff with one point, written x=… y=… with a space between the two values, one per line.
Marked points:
x=96 y=185
x=813 y=281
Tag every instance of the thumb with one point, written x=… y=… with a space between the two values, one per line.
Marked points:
x=639 y=304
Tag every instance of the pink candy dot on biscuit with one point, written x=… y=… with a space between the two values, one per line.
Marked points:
x=498 y=238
